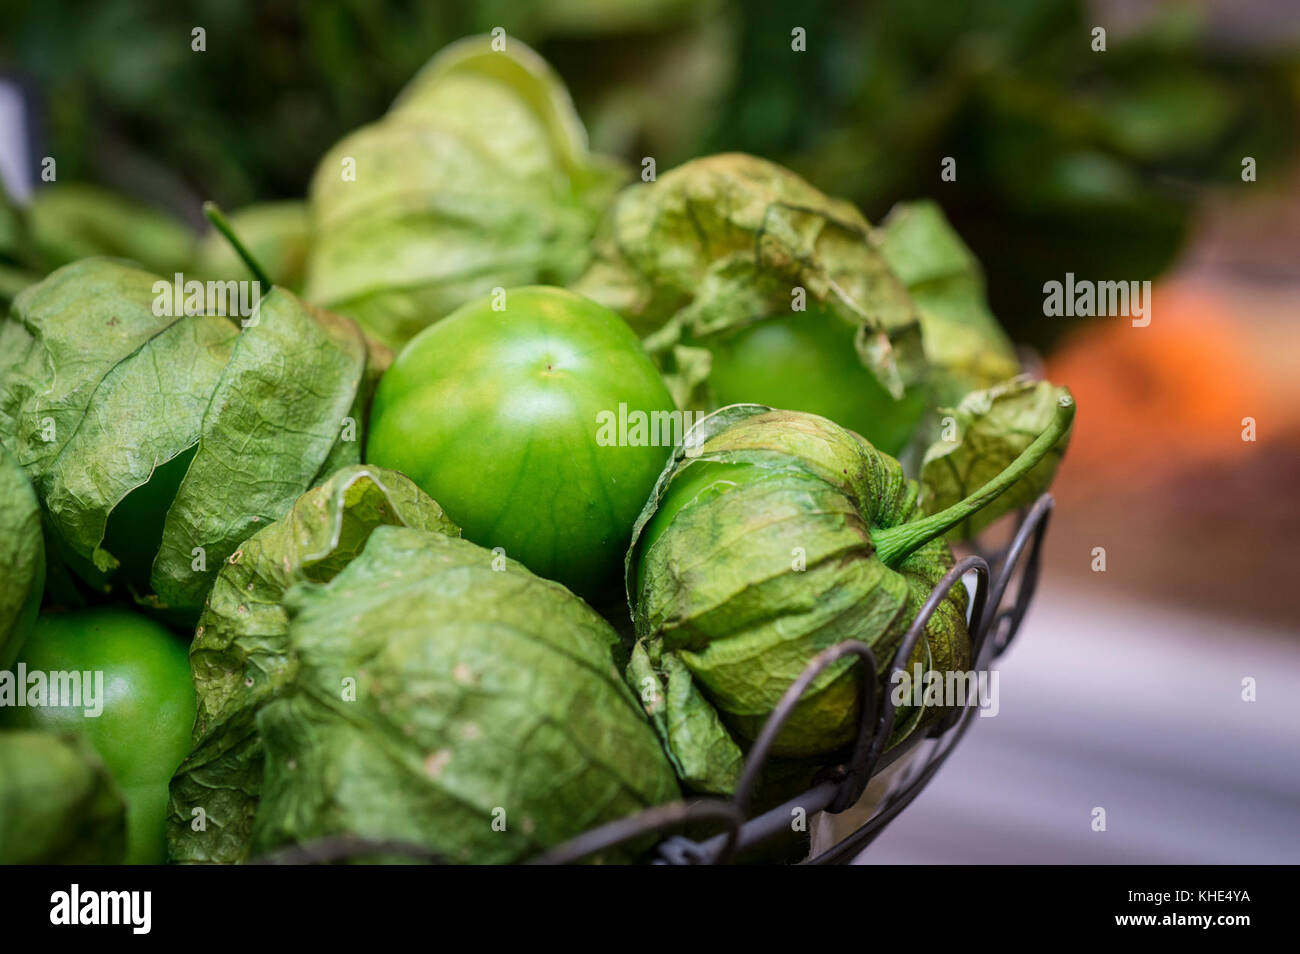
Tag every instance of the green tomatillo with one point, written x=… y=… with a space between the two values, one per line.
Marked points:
x=135 y=706
x=781 y=534
x=538 y=422
x=808 y=361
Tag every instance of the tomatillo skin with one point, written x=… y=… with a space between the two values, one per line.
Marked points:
x=807 y=362
x=503 y=415
x=143 y=730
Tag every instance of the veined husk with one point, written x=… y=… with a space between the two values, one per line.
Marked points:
x=241 y=656
x=489 y=719
x=478 y=177
x=107 y=405
x=719 y=595
x=720 y=242
x=978 y=438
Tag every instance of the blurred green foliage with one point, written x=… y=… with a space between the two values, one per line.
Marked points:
x=1067 y=159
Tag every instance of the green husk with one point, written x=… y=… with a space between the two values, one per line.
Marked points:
x=721 y=242
x=241 y=656
x=965 y=347
x=22 y=558
x=157 y=442
x=447 y=697
x=478 y=177
x=58 y=804
x=772 y=536
x=77 y=220
x=979 y=438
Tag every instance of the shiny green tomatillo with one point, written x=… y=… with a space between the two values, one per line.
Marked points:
x=508 y=417
x=139 y=725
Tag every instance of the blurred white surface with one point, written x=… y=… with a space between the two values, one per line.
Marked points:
x=1135 y=708
x=14 y=161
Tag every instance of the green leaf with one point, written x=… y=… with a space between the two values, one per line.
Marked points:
x=478 y=177
x=22 y=558
x=441 y=688
x=241 y=656
x=979 y=438
x=76 y=220
x=721 y=242
x=60 y=806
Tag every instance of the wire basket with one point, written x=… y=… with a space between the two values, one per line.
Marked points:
x=914 y=761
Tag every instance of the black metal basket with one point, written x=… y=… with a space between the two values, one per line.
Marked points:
x=992 y=627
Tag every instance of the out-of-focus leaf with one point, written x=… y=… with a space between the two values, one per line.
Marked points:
x=979 y=438
x=77 y=220
x=964 y=344
x=478 y=177
x=241 y=657
x=1163 y=116
x=58 y=804
x=277 y=234
x=439 y=690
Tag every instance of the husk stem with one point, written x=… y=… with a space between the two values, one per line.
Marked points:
x=219 y=222
x=895 y=544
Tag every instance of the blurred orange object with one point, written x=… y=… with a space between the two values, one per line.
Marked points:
x=1158 y=474
x=1158 y=400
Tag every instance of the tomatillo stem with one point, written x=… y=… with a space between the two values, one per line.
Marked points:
x=219 y=222
x=895 y=544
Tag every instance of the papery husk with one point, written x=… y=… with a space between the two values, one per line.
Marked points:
x=241 y=657
x=489 y=720
x=478 y=177
x=718 y=589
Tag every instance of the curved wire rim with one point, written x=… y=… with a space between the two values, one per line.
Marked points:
x=648 y=822
x=1031 y=533
x=759 y=751
x=863 y=764
x=335 y=848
